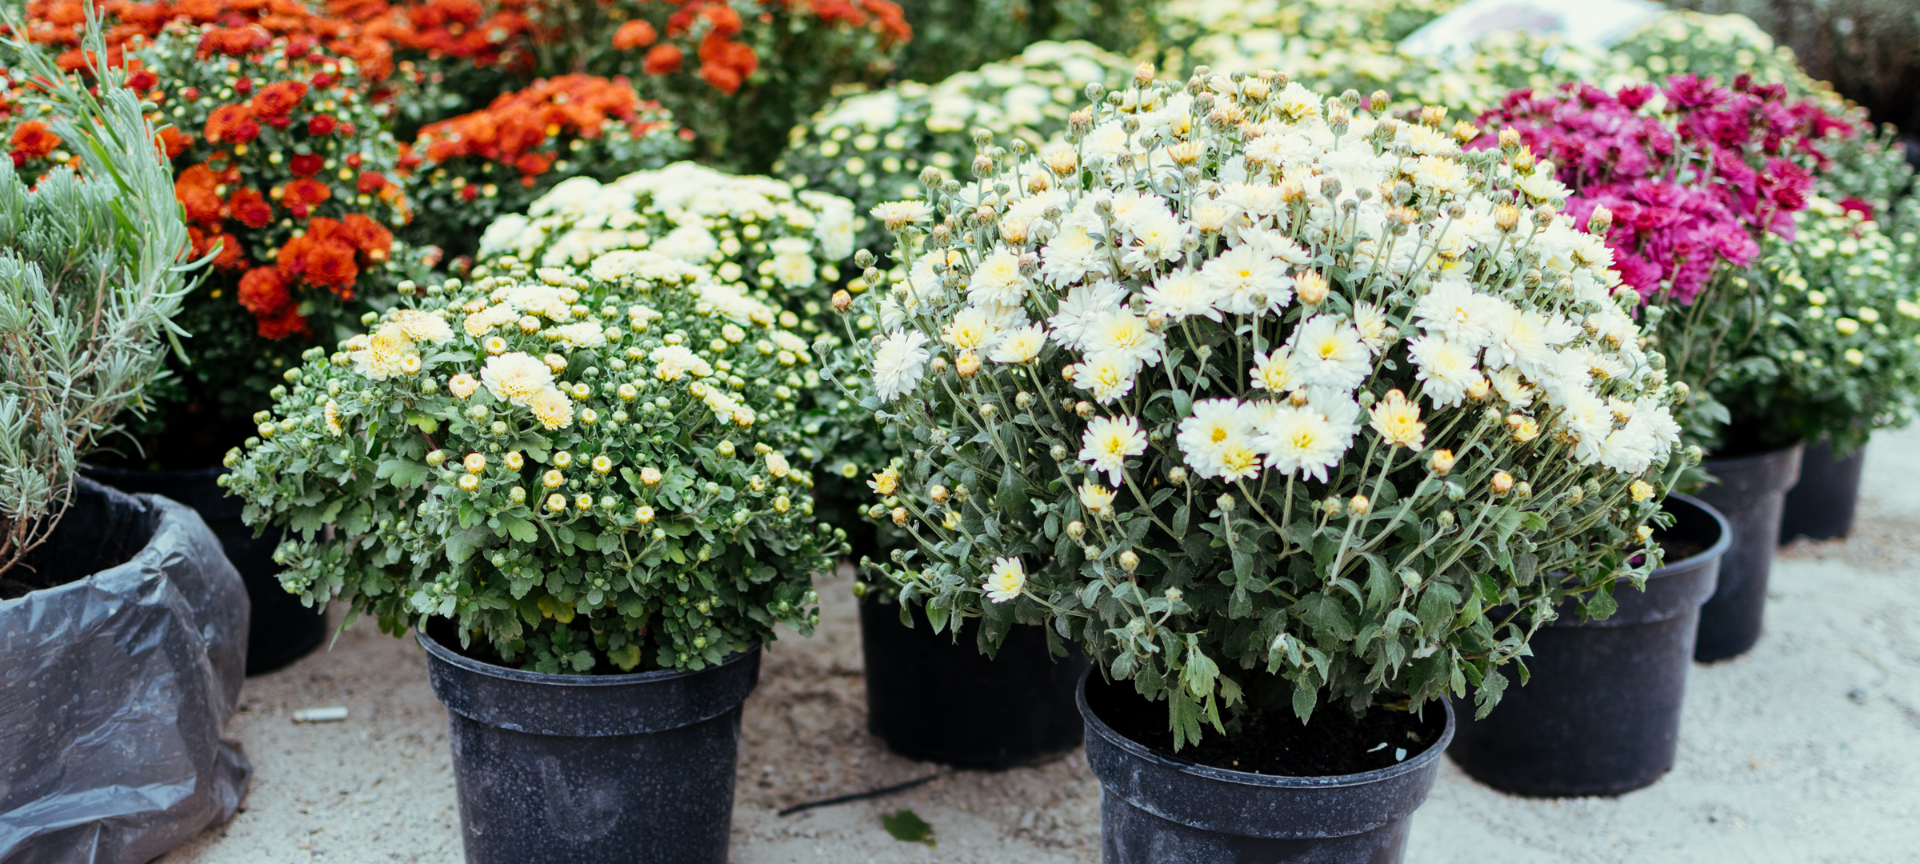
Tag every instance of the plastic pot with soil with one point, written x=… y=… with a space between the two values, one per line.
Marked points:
x=125 y=637
x=587 y=769
x=1336 y=791
x=1751 y=494
x=937 y=698
x=1600 y=714
x=283 y=630
x=1821 y=505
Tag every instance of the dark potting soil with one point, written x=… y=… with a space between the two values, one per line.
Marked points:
x=1680 y=548
x=1332 y=743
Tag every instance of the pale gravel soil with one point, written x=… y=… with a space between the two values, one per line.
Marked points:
x=1805 y=750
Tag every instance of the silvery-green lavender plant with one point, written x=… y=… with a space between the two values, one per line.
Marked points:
x=92 y=270
x=1266 y=401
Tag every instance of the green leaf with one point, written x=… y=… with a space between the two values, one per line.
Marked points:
x=907 y=826
x=1304 y=698
x=521 y=530
x=402 y=472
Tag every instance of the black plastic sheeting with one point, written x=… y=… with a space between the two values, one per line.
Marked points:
x=116 y=679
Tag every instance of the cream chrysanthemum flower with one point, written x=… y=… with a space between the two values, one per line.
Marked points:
x=1301 y=440
x=552 y=408
x=1108 y=441
x=1274 y=372
x=332 y=415
x=673 y=362
x=972 y=329
x=479 y=323
x=1397 y=419
x=516 y=377
x=585 y=334
x=998 y=280
x=1096 y=499
x=1126 y=335
x=1006 y=581
x=899 y=363
x=386 y=355
x=1445 y=366
x=462 y=385
x=1330 y=353
x=1183 y=294
x=421 y=326
x=899 y=214
x=1107 y=374
x=1019 y=345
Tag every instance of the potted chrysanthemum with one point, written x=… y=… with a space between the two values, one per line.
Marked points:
x=584 y=490
x=1690 y=184
x=1298 y=420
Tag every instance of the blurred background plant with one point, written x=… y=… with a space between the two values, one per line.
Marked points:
x=951 y=36
x=94 y=262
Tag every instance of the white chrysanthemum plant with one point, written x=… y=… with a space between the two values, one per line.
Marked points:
x=1265 y=401
x=586 y=471
x=756 y=234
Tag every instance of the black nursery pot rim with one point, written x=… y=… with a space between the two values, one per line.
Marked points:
x=623 y=679
x=1263 y=781
x=1722 y=463
x=162 y=473
x=1719 y=547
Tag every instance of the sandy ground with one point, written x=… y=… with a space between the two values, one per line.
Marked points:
x=1805 y=750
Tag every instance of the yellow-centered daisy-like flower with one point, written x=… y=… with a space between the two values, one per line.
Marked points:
x=1397 y=419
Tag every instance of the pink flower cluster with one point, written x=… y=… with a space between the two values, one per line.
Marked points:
x=1692 y=186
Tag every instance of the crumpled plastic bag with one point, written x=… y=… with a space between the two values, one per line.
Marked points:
x=115 y=686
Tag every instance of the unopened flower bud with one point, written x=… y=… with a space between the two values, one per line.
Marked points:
x=1359 y=505
x=1502 y=482
x=1442 y=462
x=1129 y=560
x=842 y=301
x=1523 y=489
x=968 y=363
x=1058 y=452
x=1311 y=287
x=1410 y=579
x=988 y=410
x=1083 y=408
x=1143 y=74
x=900 y=516
x=1224 y=502
x=938 y=494
x=1177 y=476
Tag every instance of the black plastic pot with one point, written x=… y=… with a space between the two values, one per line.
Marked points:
x=937 y=700
x=282 y=630
x=1160 y=810
x=1601 y=713
x=1821 y=505
x=1751 y=494
x=122 y=650
x=592 y=769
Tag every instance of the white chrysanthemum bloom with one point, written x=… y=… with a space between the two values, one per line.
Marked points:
x=1300 y=441
x=1019 y=345
x=975 y=328
x=1397 y=420
x=1122 y=334
x=584 y=334
x=1108 y=375
x=729 y=302
x=552 y=408
x=998 y=280
x=1108 y=442
x=1453 y=309
x=1071 y=255
x=1330 y=353
x=386 y=354
x=516 y=377
x=1217 y=431
x=1526 y=339
x=899 y=363
x=673 y=362
x=793 y=262
x=480 y=323
x=1445 y=367
x=1082 y=307
x=898 y=214
x=1183 y=294
x=421 y=326
x=1511 y=387
x=1275 y=372
x=1006 y=581
x=1249 y=281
